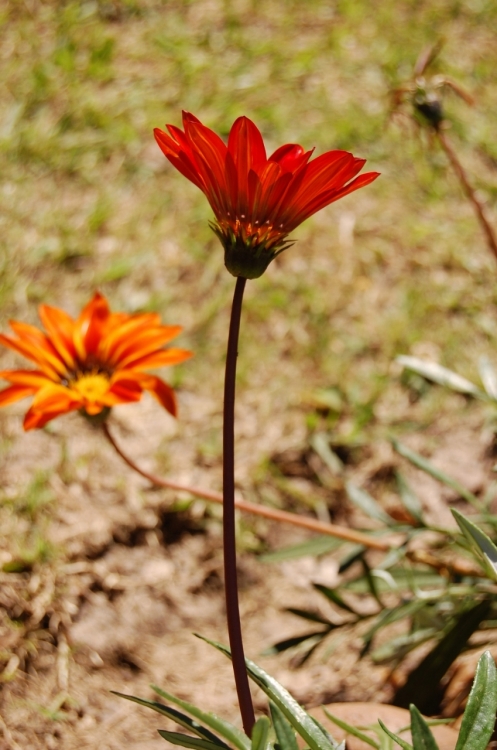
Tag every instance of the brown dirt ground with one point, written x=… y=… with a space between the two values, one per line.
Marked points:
x=134 y=581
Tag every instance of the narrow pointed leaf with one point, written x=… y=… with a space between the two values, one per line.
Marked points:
x=387 y=616
x=184 y=740
x=440 y=375
x=285 y=733
x=293 y=711
x=395 y=737
x=479 y=716
x=409 y=499
x=350 y=729
x=320 y=545
x=230 y=733
x=321 y=445
x=309 y=615
x=296 y=640
x=488 y=377
x=260 y=733
x=422 y=737
x=480 y=543
x=334 y=597
x=422 y=463
x=351 y=557
x=367 y=504
x=371 y=582
x=176 y=716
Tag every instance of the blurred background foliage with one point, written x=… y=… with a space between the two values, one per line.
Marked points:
x=88 y=200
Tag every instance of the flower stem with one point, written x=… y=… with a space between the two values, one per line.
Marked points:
x=273 y=514
x=229 y=541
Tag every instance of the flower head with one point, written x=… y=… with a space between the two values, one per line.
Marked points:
x=257 y=201
x=90 y=364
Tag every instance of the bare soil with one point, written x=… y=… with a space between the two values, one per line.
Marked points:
x=134 y=580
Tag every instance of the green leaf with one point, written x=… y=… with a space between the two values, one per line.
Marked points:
x=334 y=597
x=350 y=729
x=401 y=645
x=224 y=728
x=422 y=463
x=395 y=737
x=440 y=375
x=387 y=616
x=351 y=557
x=409 y=499
x=176 y=716
x=260 y=733
x=307 y=614
x=479 y=716
x=320 y=545
x=176 y=738
x=293 y=711
x=320 y=443
x=422 y=737
x=423 y=681
x=373 y=589
x=488 y=377
x=295 y=640
x=367 y=504
x=480 y=543
x=285 y=734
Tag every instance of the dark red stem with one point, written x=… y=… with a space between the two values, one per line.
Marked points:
x=229 y=542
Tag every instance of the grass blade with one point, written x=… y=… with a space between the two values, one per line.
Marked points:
x=395 y=737
x=367 y=504
x=350 y=729
x=422 y=463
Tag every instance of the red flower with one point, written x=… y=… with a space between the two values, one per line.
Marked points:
x=257 y=201
x=89 y=364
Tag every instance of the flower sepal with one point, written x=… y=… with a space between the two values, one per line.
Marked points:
x=247 y=258
x=96 y=420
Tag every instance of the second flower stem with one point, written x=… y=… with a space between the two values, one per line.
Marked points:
x=229 y=539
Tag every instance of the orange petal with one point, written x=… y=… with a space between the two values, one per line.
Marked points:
x=89 y=326
x=161 y=358
x=125 y=387
x=161 y=391
x=148 y=343
x=60 y=328
x=37 y=419
x=15 y=393
x=30 y=352
x=31 y=378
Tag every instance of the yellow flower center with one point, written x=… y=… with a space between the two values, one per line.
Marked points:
x=92 y=387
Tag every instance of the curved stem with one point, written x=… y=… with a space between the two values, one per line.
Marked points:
x=273 y=514
x=471 y=194
x=229 y=537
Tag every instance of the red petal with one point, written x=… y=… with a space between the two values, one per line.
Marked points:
x=15 y=393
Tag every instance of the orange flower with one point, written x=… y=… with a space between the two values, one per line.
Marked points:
x=257 y=200
x=90 y=364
